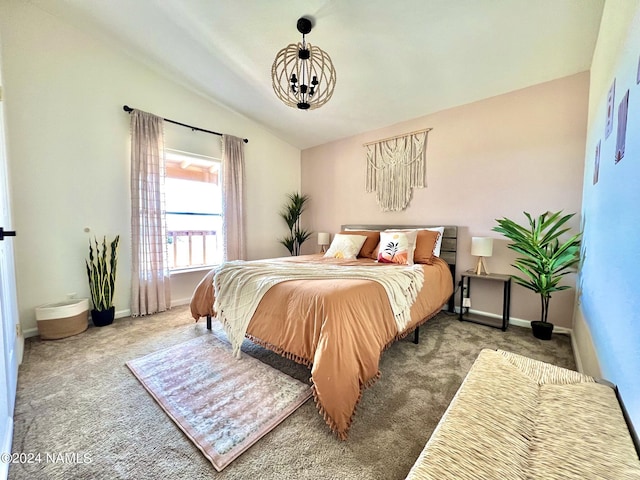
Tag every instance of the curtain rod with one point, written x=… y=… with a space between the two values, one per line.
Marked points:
x=128 y=109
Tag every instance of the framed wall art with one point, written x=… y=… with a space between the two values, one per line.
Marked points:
x=623 y=108
x=610 y=100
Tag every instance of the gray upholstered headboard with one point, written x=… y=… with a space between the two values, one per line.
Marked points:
x=447 y=251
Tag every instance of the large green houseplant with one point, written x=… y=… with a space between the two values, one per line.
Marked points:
x=291 y=213
x=101 y=271
x=545 y=259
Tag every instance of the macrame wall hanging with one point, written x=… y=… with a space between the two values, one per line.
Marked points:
x=395 y=166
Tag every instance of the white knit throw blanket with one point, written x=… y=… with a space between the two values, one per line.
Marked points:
x=240 y=285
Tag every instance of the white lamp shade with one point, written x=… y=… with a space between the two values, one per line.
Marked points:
x=481 y=246
x=324 y=238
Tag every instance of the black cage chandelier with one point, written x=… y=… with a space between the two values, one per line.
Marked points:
x=303 y=75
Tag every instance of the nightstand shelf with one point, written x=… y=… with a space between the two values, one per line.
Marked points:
x=465 y=315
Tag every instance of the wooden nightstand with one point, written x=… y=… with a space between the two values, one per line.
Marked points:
x=482 y=319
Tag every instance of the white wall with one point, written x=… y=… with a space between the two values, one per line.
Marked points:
x=68 y=147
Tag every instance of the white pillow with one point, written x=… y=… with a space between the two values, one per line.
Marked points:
x=397 y=246
x=345 y=246
x=436 y=249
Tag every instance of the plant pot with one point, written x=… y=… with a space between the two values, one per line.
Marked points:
x=102 y=318
x=542 y=330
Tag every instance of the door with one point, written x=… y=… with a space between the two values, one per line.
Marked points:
x=11 y=340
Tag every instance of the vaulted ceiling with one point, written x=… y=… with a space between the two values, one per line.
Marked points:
x=395 y=59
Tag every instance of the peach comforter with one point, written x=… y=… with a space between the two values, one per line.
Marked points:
x=338 y=328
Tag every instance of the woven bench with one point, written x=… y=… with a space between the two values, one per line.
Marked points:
x=518 y=418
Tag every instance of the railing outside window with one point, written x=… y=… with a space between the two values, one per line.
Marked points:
x=194 y=220
x=190 y=248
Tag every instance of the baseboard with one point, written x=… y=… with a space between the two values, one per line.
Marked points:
x=519 y=322
x=576 y=354
x=123 y=313
x=33 y=332
x=583 y=347
x=181 y=301
x=30 y=332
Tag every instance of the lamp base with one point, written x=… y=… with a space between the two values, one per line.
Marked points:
x=480 y=266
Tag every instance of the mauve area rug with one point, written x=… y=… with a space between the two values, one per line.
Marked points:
x=223 y=404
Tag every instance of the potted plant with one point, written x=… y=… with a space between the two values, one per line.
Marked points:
x=101 y=270
x=291 y=214
x=545 y=259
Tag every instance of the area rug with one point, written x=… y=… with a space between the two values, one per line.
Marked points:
x=222 y=403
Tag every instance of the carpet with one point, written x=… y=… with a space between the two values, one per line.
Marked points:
x=77 y=395
x=223 y=404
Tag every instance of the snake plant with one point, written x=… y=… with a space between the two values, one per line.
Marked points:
x=101 y=270
x=545 y=260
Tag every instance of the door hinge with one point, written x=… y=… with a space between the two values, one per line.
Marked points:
x=18 y=330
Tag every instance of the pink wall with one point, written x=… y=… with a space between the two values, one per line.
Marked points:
x=522 y=151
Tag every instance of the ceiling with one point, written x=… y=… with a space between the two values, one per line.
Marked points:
x=395 y=59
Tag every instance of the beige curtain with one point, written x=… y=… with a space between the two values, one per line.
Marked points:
x=233 y=197
x=149 y=272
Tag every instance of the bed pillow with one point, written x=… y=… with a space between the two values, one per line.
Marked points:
x=397 y=246
x=425 y=246
x=370 y=244
x=345 y=246
x=374 y=252
x=436 y=250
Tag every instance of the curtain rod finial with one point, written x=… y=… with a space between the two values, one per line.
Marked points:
x=127 y=108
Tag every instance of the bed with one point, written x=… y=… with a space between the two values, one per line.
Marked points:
x=339 y=327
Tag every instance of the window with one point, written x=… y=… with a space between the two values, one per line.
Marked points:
x=193 y=199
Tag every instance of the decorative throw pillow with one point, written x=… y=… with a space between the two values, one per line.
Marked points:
x=397 y=247
x=345 y=246
x=425 y=246
x=370 y=244
x=436 y=250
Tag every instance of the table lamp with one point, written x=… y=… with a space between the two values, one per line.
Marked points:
x=324 y=239
x=481 y=247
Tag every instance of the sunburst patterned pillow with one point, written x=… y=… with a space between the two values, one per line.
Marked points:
x=345 y=246
x=397 y=247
